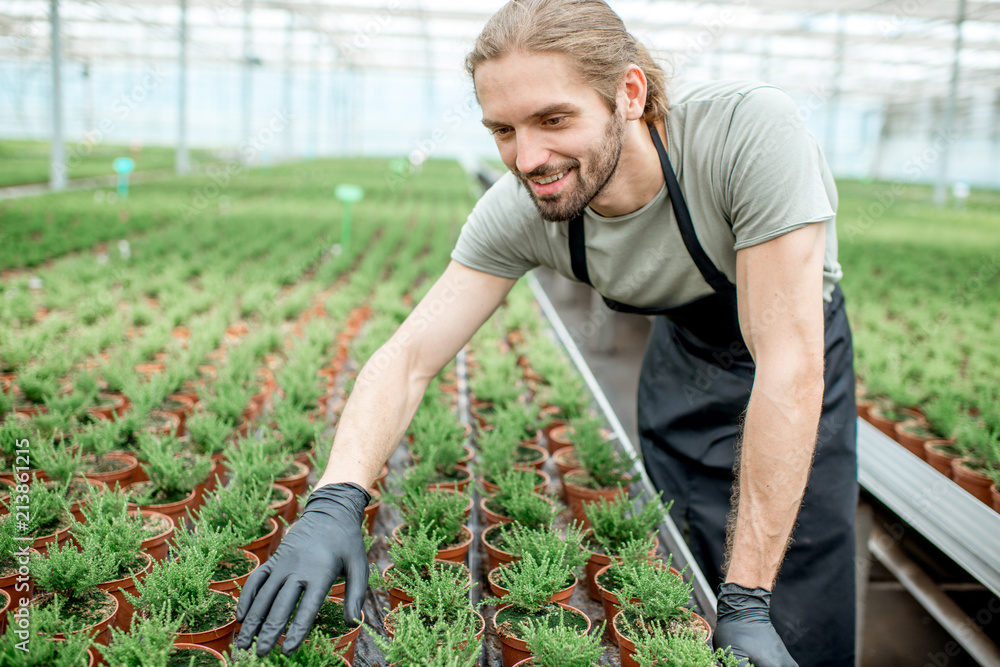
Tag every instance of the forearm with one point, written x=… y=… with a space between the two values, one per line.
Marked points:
x=386 y=396
x=778 y=442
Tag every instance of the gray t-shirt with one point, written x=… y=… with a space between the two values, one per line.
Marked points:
x=749 y=171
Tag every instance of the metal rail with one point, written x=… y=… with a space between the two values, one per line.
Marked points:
x=669 y=534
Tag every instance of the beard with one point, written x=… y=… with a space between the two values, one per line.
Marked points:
x=570 y=202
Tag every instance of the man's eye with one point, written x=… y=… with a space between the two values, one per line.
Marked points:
x=555 y=121
x=501 y=131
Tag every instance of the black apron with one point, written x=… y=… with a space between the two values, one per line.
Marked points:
x=695 y=384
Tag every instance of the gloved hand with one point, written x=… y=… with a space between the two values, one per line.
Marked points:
x=324 y=543
x=744 y=624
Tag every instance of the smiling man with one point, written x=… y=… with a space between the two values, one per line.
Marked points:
x=712 y=209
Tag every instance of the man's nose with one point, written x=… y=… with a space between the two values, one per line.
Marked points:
x=531 y=152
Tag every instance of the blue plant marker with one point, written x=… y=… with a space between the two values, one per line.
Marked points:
x=349 y=194
x=123 y=166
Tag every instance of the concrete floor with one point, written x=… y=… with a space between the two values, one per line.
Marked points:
x=898 y=632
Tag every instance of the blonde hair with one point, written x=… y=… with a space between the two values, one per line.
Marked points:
x=588 y=31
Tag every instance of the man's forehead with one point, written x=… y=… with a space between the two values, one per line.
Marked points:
x=521 y=86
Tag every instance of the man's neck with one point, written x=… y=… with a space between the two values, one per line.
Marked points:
x=638 y=177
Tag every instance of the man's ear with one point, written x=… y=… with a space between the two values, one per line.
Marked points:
x=632 y=92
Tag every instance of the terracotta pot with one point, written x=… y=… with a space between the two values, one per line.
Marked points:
x=971 y=480
x=119 y=587
x=534 y=440
x=499 y=591
x=150 y=369
x=464 y=461
x=537 y=461
x=566 y=460
x=205 y=649
x=379 y=482
x=303 y=458
x=455 y=553
x=611 y=602
x=109 y=406
x=542 y=476
x=9 y=583
x=177 y=511
x=864 y=406
x=164 y=423
x=598 y=561
x=264 y=546
x=492 y=518
x=497 y=556
x=886 y=425
x=557 y=436
x=579 y=496
x=390 y=625
x=123 y=476
x=5 y=489
x=914 y=443
x=6 y=605
x=283 y=502
x=218 y=638
x=42 y=544
x=346 y=643
x=995 y=497
x=626 y=647
x=99 y=632
x=157 y=546
x=460 y=485
x=514 y=650
x=230 y=585
x=939 y=459
x=76 y=508
x=371 y=511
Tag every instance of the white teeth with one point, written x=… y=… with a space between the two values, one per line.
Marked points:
x=550 y=179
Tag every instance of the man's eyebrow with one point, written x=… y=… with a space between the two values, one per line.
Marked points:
x=545 y=111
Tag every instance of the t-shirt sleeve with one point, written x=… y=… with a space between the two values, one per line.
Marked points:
x=495 y=238
x=775 y=182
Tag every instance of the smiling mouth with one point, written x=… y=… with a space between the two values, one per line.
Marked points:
x=549 y=179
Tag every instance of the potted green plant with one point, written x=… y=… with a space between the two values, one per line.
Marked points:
x=233 y=564
x=49 y=519
x=980 y=448
x=264 y=459
x=13 y=554
x=309 y=654
x=608 y=579
x=653 y=599
x=15 y=437
x=43 y=649
x=438 y=441
x=441 y=512
x=70 y=576
x=547 y=547
x=150 y=643
x=181 y=589
x=298 y=430
x=244 y=509
x=561 y=646
x=516 y=500
x=62 y=467
x=603 y=468
x=442 y=594
x=498 y=452
x=101 y=462
x=529 y=600
x=616 y=523
x=112 y=536
x=157 y=528
x=681 y=649
x=413 y=557
x=173 y=476
x=439 y=645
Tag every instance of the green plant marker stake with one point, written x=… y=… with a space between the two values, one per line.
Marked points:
x=349 y=194
x=123 y=166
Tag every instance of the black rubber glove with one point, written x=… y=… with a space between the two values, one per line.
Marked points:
x=325 y=543
x=744 y=625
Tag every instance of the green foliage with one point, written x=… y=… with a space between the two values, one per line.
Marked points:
x=172 y=471
x=440 y=512
x=650 y=592
x=621 y=520
x=13 y=433
x=227 y=400
x=243 y=508
x=110 y=534
x=315 y=653
x=516 y=498
x=438 y=439
x=98 y=438
x=533 y=582
x=442 y=593
x=179 y=589
x=605 y=465
x=415 y=552
x=48 y=508
x=59 y=462
x=497 y=451
x=46 y=622
x=9 y=544
x=148 y=643
x=69 y=572
x=209 y=432
x=262 y=459
x=567 y=391
x=680 y=649
x=298 y=433
x=518 y=420
x=440 y=644
x=546 y=542
x=562 y=645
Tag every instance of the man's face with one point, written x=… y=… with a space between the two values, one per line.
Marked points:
x=549 y=124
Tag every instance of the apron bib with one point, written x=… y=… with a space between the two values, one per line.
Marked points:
x=695 y=384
